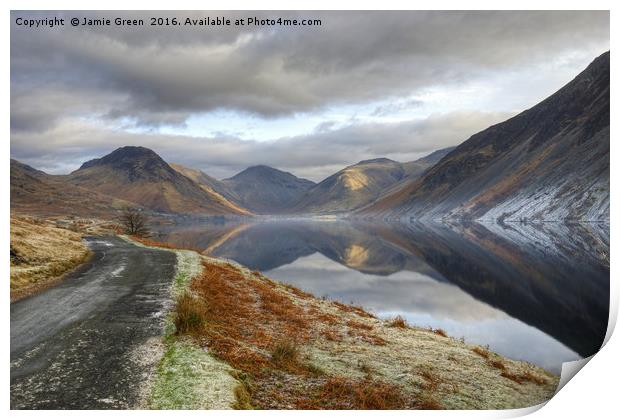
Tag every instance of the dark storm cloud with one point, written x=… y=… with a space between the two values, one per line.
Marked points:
x=154 y=76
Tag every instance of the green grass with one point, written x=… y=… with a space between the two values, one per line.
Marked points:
x=188 y=378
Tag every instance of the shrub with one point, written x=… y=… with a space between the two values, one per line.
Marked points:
x=398 y=322
x=285 y=354
x=440 y=332
x=482 y=352
x=498 y=364
x=190 y=314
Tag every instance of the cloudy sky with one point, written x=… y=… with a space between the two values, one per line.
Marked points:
x=309 y=100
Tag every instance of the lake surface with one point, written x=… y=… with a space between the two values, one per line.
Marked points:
x=534 y=293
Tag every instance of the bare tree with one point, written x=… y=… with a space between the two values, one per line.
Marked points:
x=135 y=222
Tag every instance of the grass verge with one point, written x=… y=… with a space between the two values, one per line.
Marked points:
x=188 y=376
x=41 y=254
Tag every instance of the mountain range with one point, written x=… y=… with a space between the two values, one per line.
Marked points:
x=134 y=176
x=550 y=162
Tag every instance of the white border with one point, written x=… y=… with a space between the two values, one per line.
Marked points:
x=591 y=395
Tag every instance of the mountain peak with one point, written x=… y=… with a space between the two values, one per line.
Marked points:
x=125 y=154
x=141 y=176
x=260 y=170
x=267 y=172
x=376 y=160
x=266 y=190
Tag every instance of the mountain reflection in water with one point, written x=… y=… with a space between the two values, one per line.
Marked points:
x=536 y=293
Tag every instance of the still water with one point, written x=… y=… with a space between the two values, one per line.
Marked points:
x=534 y=293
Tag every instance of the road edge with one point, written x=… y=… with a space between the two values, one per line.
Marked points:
x=186 y=376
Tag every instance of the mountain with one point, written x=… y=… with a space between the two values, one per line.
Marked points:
x=139 y=175
x=360 y=184
x=36 y=193
x=265 y=190
x=212 y=186
x=550 y=162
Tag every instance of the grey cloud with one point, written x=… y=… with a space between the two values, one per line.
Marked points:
x=167 y=74
x=397 y=106
x=315 y=156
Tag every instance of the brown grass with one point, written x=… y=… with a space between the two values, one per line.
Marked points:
x=439 y=332
x=332 y=335
x=242 y=391
x=256 y=326
x=398 y=322
x=427 y=399
x=41 y=254
x=325 y=317
x=285 y=355
x=428 y=402
x=531 y=377
x=432 y=381
x=497 y=364
x=358 y=310
x=521 y=378
x=368 y=337
x=359 y=325
x=248 y=319
x=190 y=314
x=339 y=393
x=482 y=352
x=272 y=334
x=297 y=291
x=158 y=244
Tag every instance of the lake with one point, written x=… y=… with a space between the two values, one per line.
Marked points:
x=538 y=293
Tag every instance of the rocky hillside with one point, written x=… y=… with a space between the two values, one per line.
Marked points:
x=265 y=190
x=550 y=162
x=139 y=175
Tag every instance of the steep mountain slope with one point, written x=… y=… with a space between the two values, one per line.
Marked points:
x=36 y=193
x=212 y=186
x=360 y=184
x=551 y=162
x=139 y=175
x=265 y=190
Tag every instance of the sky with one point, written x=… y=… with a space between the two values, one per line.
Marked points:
x=309 y=100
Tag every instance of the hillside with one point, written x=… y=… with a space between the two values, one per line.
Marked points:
x=265 y=190
x=36 y=193
x=139 y=175
x=550 y=162
x=40 y=254
x=360 y=184
x=211 y=185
